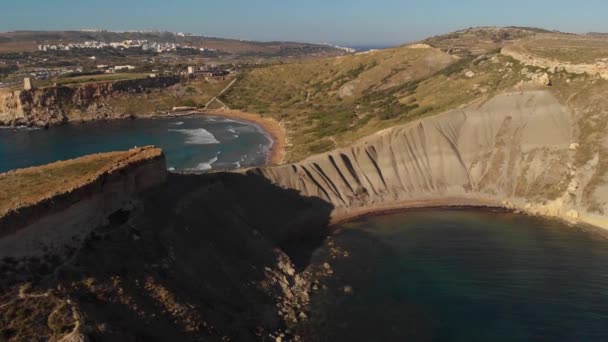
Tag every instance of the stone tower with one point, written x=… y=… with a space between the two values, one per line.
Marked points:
x=27 y=83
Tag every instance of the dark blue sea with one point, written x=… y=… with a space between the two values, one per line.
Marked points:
x=444 y=275
x=197 y=143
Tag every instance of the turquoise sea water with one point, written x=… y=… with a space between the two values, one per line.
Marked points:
x=442 y=275
x=197 y=143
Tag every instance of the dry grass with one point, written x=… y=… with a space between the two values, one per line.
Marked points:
x=100 y=78
x=318 y=100
x=26 y=186
x=585 y=95
x=194 y=94
x=30 y=319
x=30 y=185
x=18 y=46
x=329 y=103
x=477 y=41
x=574 y=49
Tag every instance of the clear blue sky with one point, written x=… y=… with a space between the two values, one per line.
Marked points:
x=349 y=22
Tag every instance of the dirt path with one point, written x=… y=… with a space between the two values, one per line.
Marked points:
x=215 y=98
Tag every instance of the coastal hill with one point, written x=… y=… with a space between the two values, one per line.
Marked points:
x=331 y=103
x=499 y=117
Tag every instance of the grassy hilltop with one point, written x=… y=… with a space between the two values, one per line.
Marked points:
x=332 y=102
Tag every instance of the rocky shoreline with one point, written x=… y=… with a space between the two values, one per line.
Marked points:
x=44 y=107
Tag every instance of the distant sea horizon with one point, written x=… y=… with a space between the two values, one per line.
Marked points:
x=368 y=47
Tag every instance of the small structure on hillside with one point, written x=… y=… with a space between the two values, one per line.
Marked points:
x=190 y=70
x=27 y=83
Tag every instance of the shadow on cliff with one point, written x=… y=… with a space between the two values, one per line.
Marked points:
x=193 y=260
x=297 y=224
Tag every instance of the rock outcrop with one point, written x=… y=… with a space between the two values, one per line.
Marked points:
x=599 y=68
x=54 y=105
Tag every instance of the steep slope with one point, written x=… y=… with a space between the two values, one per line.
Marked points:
x=58 y=104
x=333 y=103
x=330 y=103
x=516 y=150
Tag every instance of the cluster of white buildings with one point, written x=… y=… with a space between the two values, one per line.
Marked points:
x=126 y=44
x=94 y=45
x=109 y=69
x=345 y=49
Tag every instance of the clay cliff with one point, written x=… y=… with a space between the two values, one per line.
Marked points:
x=58 y=104
x=517 y=150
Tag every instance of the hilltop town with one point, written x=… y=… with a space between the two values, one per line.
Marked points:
x=49 y=58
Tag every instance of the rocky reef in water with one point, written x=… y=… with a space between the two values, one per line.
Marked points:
x=58 y=104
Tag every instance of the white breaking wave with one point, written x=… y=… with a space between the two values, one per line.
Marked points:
x=20 y=128
x=198 y=136
x=179 y=123
x=205 y=166
x=235 y=133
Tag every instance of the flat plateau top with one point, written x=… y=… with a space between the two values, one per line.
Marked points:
x=20 y=188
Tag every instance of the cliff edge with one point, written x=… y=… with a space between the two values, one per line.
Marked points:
x=58 y=104
x=49 y=209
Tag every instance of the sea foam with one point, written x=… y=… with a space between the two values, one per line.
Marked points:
x=198 y=136
x=205 y=166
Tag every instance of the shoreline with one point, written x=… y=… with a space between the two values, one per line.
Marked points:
x=274 y=130
x=343 y=217
x=270 y=127
x=456 y=203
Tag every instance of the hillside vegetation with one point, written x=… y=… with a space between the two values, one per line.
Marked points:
x=329 y=103
x=26 y=186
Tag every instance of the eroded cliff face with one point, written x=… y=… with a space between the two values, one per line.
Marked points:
x=516 y=151
x=57 y=224
x=10 y=107
x=54 y=105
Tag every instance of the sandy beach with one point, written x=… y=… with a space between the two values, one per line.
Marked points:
x=271 y=126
